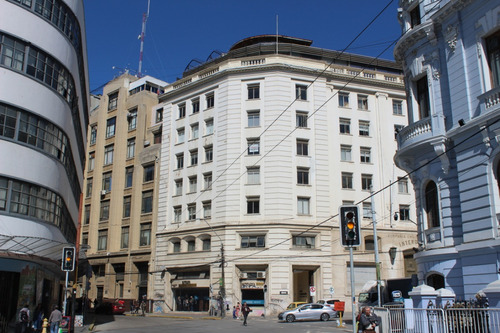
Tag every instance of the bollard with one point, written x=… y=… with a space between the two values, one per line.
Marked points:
x=45 y=325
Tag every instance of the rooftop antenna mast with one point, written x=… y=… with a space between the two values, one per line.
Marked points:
x=143 y=33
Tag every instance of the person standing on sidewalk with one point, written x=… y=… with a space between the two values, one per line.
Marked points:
x=245 y=309
x=55 y=319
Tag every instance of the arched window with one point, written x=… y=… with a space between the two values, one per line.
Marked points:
x=431 y=205
x=436 y=281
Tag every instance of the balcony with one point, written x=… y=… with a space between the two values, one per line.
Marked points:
x=416 y=132
x=489 y=101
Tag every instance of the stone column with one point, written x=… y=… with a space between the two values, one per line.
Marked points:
x=424 y=297
x=445 y=298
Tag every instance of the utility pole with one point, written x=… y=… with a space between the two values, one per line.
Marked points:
x=375 y=247
x=222 y=283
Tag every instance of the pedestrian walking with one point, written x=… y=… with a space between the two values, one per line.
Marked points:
x=55 y=319
x=245 y=310
x=368 y=321
x=24 y=319
x=238 y=309
x=38 y=318
x=143 y=308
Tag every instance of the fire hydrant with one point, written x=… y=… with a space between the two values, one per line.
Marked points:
x=45 y=325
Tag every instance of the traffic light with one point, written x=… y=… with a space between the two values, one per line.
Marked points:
x=68 y=259
x=350 y=231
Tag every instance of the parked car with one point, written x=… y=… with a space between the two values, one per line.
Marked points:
x=110 y=308
x=329 y=302
x=309 y=311
x=294 y=305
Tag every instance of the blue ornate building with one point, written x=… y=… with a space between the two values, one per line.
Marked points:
x=450 y=51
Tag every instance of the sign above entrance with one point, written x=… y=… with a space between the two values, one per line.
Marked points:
x=312 y=290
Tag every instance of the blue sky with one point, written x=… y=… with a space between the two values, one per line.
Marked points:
x=179 y=31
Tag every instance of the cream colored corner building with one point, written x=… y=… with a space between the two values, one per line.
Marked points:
x=260 y=147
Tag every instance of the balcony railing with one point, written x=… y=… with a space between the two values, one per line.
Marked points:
x=490 y=100
x=414 y=130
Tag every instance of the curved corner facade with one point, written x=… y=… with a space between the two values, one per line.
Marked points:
x=451 y=51
x=43 y=123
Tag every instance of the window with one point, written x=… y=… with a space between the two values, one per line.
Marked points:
x=4 y=188
x=344 y=100
x=106 y=181
x=112 y=101
x=415 y=16
x=207 y=180
x=91 y=161
x=366 y=182
x=110 y=127
x=86 y=215
x=367 y=210
x=159 y=115
x=191 y=245
x=404 y=212
x=423 y=98
x=194 y=157
x=132 y=119
x=145 y=236
x=432 y=205
x=301 y=92
x=345 y=153
x=365 y=154
x=345 y=126
x=149 y=173
x=346 y=180
x=253 y=241
x=93 y=134
x=253 y=205
x=125 y=237
x=303 y=206
x=207 y=209
x=127 y=201
x=102 y=240
x=253 y=175
x=397 y=129
x=304 y=241
x=193 y=183
x=195 y=130
x=157 y=137
x=129 y=176
x=253 y=91
x=90 y=182
x=254 y=118
x=180 y=161
x=209 y=154
x=192 y=212
x=12 y=54
x=178 y=187
x=180 y=135
x=195 y=105
x=210 y=100
x=104 y=213
x=403 y=185
x=177 y=247
x=177 y=214
x=130 y=148
x=147 y=202
x=108 y=154
x=302 y=147
x=182 y=110
x=397 y=108
x=362 y=102
x=253 y=146
x=209 y=126
x=85 y=238
x=206 y=244
x=493 y=50
x=303 y=176
x=301 y=119
x=364 y=128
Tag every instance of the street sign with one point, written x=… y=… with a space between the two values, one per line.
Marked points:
x=332 y=291
x=312 y=290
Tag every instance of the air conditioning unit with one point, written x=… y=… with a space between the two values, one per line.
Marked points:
x=130 y=115
x=146 y=143
x=244 y=276
x=103 y=192
x=261 y=275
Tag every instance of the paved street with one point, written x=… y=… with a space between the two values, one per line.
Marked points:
x=194 y=324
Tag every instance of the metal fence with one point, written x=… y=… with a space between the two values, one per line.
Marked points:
x=434 y=320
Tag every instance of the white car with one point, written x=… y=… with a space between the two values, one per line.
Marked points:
x=328 y=302
x=310 y=311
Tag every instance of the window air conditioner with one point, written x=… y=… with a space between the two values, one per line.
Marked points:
x=130 y=115
x=146 y=143
x=261 y=275
x=103 y=192
x=244 y=275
